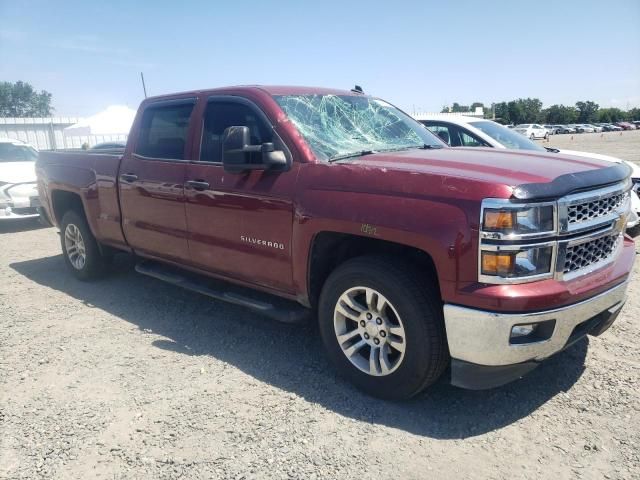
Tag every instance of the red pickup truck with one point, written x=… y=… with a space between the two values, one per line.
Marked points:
x=415 y=257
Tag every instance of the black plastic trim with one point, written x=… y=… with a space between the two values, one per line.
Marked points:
x=482 y=377
x=573 y=182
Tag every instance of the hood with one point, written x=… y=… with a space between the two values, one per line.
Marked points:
x=509 y=167
x=17 y=172
x=635 y=168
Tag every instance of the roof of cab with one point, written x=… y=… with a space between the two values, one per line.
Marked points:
x=270 y=89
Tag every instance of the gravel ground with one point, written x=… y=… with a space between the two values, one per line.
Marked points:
x=625 y=145
x=128 y=377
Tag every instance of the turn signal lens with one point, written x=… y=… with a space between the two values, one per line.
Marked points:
x=498 y=220
x=494 y=263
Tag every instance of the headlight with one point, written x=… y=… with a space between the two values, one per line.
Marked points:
x=506 y=231
x=513 y=262
x=3 y=193
x=514 y=220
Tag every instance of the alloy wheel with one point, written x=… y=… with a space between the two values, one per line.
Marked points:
x=74 y=246
x=369 y=331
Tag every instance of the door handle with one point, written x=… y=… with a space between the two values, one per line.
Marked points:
x=199 y=185
x=128 y=177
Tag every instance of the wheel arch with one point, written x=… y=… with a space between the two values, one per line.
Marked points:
x=62 y=201
x=329 y=249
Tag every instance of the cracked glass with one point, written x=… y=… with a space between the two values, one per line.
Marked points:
x=339 y=126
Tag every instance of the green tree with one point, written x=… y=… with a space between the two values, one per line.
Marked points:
x=587 y=111
x=560 y=114
x=516 y=112
x=633 y=114
x=522 y=110
x=457 y=108
x=501 y=111
x=21 y=100
x=611 y=115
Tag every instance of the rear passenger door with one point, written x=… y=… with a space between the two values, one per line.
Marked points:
x=151 y=182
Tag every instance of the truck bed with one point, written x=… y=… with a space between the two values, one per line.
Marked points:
x=93 y=178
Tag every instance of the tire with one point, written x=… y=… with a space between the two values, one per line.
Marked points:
x=546 y=136
x=532 y=136
x=80 y=249
x=412 y=303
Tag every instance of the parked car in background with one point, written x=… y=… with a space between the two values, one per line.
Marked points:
x=567 y=129
x=532 y=130
x=596 y=128
x=18 y=187
x=552 y=129
x=109 y=146
x=609 y=127
x=626 y=125
x=637 y=124
x=583 y=128
x=461 y=131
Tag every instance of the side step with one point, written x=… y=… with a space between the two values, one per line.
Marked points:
x=276 y=308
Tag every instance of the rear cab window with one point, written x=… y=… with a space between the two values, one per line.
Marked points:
x=163 y=130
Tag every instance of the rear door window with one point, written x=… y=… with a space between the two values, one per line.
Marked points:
x=469 y=140
x=441 y=130
x=163 y=131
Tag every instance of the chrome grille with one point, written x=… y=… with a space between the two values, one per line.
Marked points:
x=589 y=210
x=589 y=253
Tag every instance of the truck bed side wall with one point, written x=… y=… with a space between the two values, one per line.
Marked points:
x=93 y=177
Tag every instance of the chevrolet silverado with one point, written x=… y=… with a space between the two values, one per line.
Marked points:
x=415 y=258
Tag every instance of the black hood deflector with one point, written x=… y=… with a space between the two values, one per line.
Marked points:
x=572 y=183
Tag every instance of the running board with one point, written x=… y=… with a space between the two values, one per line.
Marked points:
x=276 y=308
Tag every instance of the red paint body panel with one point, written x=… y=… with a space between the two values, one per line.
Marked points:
x=427 y=199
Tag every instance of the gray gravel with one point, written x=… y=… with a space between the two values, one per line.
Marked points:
x=130 y=378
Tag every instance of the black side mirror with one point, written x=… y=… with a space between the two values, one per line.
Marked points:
x=238 y=153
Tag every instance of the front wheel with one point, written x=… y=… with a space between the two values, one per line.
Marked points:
x=80 y=248
x=383 y=327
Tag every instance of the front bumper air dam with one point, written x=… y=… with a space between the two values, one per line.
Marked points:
x=479 y=341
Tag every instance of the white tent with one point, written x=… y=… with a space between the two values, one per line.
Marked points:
x=111 y=124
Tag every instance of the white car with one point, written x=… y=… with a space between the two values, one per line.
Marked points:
x=18 y=188
x=532 y=130
x=461 y=131
x=584 y=128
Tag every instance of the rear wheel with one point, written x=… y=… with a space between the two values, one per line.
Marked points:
x=382 y=327
x=80 y=248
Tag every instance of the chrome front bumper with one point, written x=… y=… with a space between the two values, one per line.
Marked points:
x=483 y=338
x=19 y=200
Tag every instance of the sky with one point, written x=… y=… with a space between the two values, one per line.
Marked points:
x=419 y=55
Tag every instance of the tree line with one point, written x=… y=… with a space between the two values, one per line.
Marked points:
x=529 y=110
x=20 y=99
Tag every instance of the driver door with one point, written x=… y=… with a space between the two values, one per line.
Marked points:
x=240 y=224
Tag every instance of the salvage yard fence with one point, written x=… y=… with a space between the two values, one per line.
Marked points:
x=48 y=133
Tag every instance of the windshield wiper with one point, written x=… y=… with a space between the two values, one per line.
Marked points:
x=359 y=153
x=427 y=146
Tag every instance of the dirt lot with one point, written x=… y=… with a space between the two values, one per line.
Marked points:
x=625 y=145
x=130 y=378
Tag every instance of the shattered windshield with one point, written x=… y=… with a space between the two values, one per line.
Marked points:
x=338 y=126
